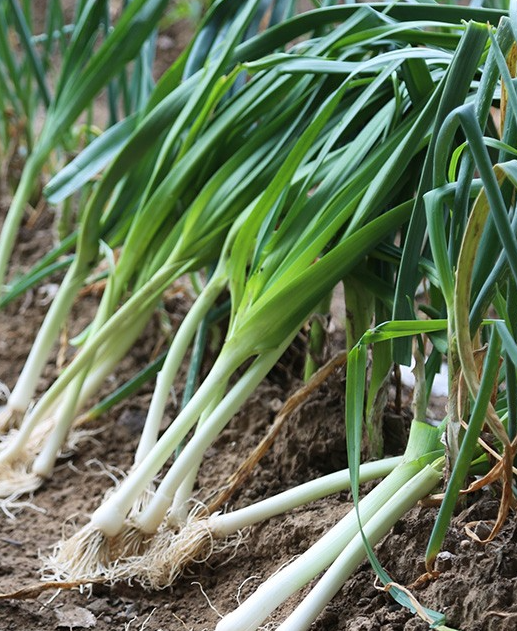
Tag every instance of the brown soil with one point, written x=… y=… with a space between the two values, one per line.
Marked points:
x=477 y=589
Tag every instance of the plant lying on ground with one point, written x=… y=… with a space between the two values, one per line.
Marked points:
x=282 y=171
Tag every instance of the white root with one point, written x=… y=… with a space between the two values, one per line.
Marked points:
x=167 y=554
x=16 y=480
x=90 y=555
x=154 y=561
x=16 y=476
x=82 y=556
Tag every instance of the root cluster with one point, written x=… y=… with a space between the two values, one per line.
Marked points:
x=17 y=480
x=154 y=561
x=90 y=555
x=16 y=476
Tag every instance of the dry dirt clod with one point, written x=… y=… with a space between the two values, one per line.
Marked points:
x=75 y=618
x=444 y=561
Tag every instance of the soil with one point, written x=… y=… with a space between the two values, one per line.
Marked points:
x=477 y=589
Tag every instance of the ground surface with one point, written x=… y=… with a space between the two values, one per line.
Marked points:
x=478 y=587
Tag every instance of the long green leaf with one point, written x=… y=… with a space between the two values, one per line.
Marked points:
x=90 y=161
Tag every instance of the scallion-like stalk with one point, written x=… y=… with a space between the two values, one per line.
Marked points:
x=392 y=490
x=353 y=554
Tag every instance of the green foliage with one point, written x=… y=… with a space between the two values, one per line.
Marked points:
x=364 y=153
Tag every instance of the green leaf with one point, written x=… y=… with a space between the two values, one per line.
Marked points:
x=275 y=314
x=32 y=55
x=468 y=445
x=90 y=161
x=455 y=86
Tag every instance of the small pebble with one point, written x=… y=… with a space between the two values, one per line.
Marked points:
x=482 y=530
x=275 y=404
x=165 y=42
x=444 y=561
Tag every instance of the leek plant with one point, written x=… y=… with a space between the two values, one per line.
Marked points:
x=153 y=123
x=270 y=258
x=342 y=546
x=122 y=186
x=489 y=205
x=143 y=244
x=187 y=254
x=141 y=239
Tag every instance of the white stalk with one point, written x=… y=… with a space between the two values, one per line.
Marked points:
x=64 y=406
x=157 y=508
x=55 y=397
x=251 y=614
x=141 y=300
x=161 y=394
x=108 y=359
x=43 y=465
x=13 y=219
x=109 y=517
x=80 y=390
x=112 y=329
x=175 y=356
x=347 y=562
x=23 y=392
x=223 y=525
x=179 y=510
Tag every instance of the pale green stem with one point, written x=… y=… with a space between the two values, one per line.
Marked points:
x=76 y=395
x=26 y=385
x=347 y=562
x=15 y=214
x=109 y=517
x=175 y=356
x=154 y=513
x=112 y=350
x=230 y=523
x=290 y=579
x=109 y=333
x=179 y=510
x=44 y=463
x=180 y=505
